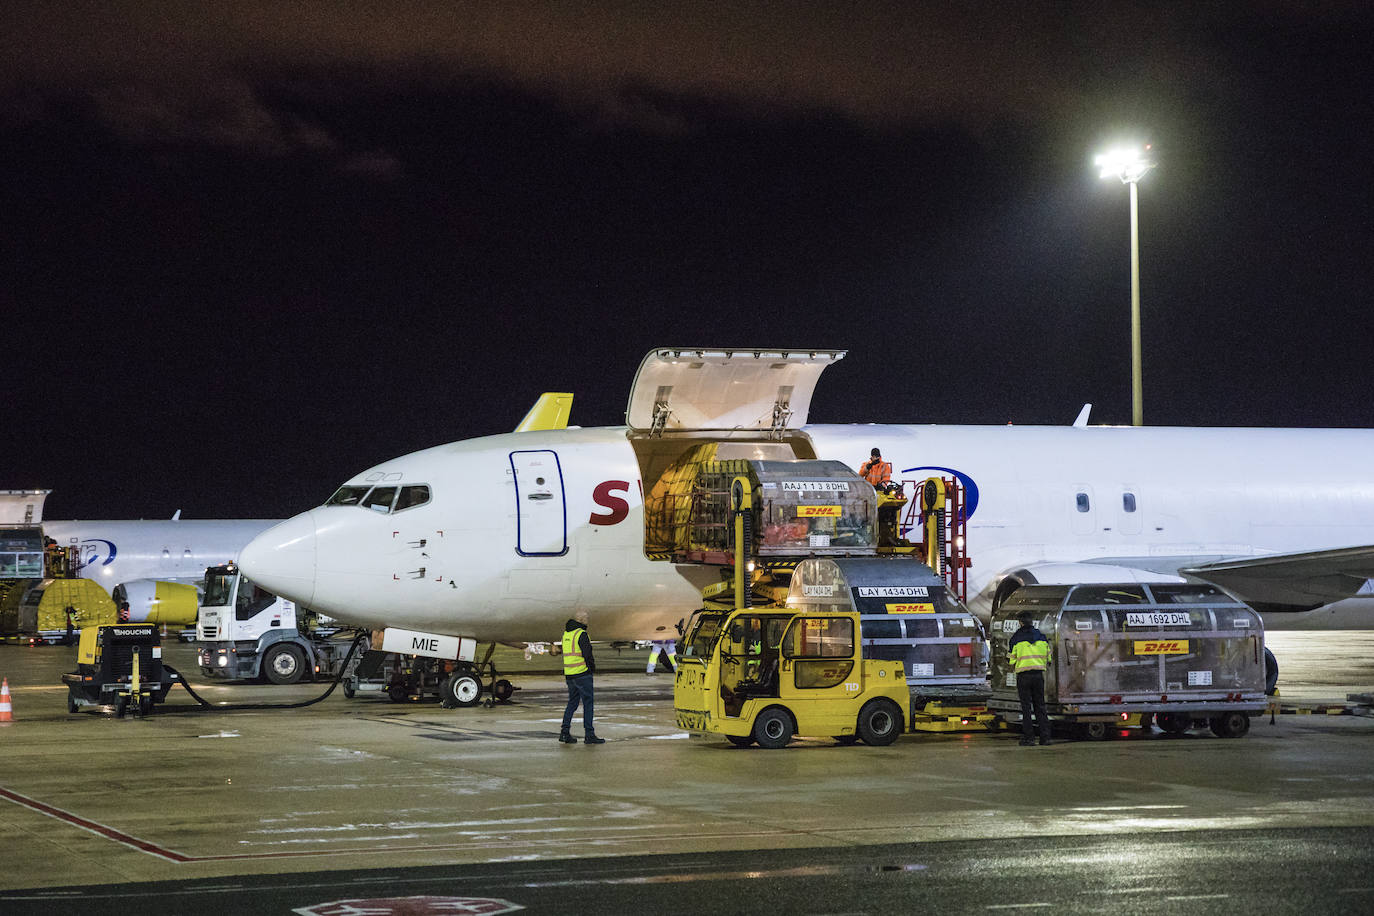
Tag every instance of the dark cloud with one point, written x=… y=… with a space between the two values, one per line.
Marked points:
x=877 y=62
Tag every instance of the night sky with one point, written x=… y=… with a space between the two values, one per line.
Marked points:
x=248 y=249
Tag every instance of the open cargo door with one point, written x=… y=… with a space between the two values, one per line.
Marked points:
x=751 y=391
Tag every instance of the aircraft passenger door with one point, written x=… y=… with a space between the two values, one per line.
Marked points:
x=1130 y=520
x=540 y=510
x=1082 y=511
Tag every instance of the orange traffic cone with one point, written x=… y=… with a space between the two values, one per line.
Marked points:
x=6 y=710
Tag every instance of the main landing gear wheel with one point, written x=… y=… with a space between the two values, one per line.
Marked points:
x=879 y=723
x=773 y=729
x=740 y=740
x=283 y=664
x=462 y=690
x=1229 y=724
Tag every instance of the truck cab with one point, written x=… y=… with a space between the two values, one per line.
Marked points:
x=247 y=632
x=765 y=675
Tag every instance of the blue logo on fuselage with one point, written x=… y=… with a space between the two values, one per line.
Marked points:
x=970 y=488
x=90 y=552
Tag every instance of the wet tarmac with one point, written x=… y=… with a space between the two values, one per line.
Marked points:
x=372 y=796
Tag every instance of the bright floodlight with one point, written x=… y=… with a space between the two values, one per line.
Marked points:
x=1126 y=164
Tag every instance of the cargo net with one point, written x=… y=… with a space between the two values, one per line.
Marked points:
x=801 y=508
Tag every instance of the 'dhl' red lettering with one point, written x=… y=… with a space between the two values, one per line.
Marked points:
x=603 y=497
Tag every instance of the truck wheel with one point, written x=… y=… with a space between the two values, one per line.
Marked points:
x=121 y=705
x=145 y=707
x=1229 y=724
x=283 y=664
x=846 y=740
x=348 y=690
x=398 y=693
x=880 y=722
x=1174 y=723
x=740 y=740
x=463 y=689
x=773 y=728
x=1093 y=731
x=502 y=690
x=71 y=704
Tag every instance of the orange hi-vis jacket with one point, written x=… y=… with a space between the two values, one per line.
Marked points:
x=876 y=471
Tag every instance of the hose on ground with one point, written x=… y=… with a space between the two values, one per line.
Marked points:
x=357 y=641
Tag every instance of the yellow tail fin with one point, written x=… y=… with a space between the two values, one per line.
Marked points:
x=551 y=411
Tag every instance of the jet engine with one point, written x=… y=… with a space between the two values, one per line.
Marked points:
x=1075 y=574
x=154 y=601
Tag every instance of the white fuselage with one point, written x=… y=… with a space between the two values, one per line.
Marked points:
x=114 y=552
x=494 y=559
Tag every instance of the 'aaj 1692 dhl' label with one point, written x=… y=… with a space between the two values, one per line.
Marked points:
x=1161 y=647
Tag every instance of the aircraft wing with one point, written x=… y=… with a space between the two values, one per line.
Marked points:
x=1310 y=579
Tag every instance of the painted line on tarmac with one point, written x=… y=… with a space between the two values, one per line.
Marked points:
x=98 y=829
x=480 y=842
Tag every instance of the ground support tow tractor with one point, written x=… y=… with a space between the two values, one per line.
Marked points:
x=410 y=665
x=246 y=632
x=1179 y=655
x=120 y=666
x=767 y=674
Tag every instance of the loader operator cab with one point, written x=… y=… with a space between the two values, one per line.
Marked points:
x=750 y=657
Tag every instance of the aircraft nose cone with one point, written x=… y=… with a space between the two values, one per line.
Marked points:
x=282 y=559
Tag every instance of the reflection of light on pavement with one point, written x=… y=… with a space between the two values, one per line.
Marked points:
x=803 y=871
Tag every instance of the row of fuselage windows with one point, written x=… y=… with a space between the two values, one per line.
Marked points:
x=1082 y=503
x=381 y=499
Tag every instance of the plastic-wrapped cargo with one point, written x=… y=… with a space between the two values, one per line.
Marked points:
x=801 y=508
x=906 y=614
x=43 y=610
x=1179 y=651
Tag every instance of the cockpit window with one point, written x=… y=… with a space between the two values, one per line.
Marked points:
x=380 y=499
x=347 y=496
x=412 y=496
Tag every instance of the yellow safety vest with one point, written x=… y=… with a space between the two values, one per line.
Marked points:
x=573 y=662
x=1030 y=656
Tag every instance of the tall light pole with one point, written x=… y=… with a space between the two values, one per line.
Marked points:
x=1129 y=165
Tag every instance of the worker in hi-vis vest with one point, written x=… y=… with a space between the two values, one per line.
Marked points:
x=875 y=470
x=1030 y=656
x=578 y=668
x=668 y=647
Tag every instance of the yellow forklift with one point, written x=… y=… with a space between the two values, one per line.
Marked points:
x=119 y=666
x=764 y=674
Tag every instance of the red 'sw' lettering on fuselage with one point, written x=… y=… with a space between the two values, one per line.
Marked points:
x=604 y=496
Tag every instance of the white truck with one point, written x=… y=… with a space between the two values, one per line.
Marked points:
x=246 y=632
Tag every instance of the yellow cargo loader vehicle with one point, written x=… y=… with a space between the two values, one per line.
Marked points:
x=766 y=675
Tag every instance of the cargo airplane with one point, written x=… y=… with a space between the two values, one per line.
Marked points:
x=133 y=556
x=502 y=538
